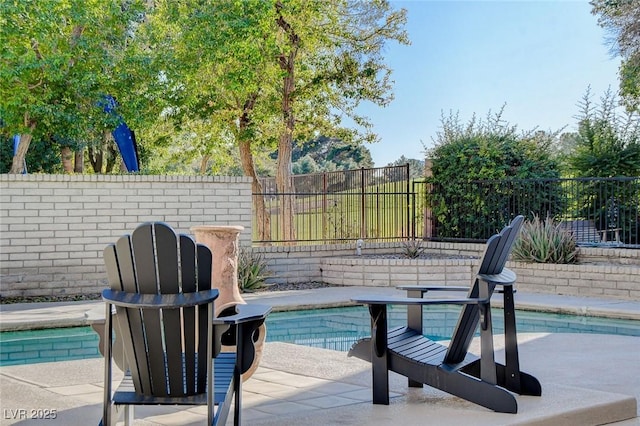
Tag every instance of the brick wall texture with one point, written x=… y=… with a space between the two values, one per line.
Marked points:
x=53 y=228
x=604 y=272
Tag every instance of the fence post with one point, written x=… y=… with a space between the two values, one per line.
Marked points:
x=407 y=231
x=324 y=206
x=363 y=227
x=427 y=232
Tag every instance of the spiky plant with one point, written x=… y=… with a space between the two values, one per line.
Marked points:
x=545 y=241
x=413 y=248
x=252 y=270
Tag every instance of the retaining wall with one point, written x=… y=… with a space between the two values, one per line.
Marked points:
x=604 y=272
x=53 y=228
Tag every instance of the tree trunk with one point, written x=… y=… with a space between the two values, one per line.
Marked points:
x=78 y=161
x=203 y=163
x=18 y=165
x=95 y=158
x=284 y=183
x=112 y=153
x=263 y=217
x=66 y=155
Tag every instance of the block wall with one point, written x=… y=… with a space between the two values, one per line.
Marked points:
x=53 y=228
x=604 y=272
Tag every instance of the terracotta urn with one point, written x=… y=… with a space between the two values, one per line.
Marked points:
x=223 y=243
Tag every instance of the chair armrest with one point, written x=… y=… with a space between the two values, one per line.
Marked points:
x=506 y=277
x=244 y=313
x=159 y=301
x=427 y=288
x=386 y=300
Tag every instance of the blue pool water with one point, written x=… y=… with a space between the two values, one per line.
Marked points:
x=55 y=344
x=336 y=328
x=339 y=328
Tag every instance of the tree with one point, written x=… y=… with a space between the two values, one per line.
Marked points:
x=329 y=154
x=56 y=54
x=41 y=158
x=304 y=166
x=271 y=73
x=217 y=61
x=482 y=168
x=621 y=18
x=330 y=56
x=607 y=142
x=607 y=145
x=416 y=167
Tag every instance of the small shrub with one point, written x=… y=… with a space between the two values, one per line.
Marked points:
x=252 y=270
x=545 y=242
x=413 y=248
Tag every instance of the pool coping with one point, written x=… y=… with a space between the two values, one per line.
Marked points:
x=26 y=316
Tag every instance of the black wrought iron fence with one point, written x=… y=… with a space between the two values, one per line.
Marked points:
x=369 y=204
x=473 y=211
x=382 y=204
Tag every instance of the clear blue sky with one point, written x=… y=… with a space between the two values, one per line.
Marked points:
x=535 y=57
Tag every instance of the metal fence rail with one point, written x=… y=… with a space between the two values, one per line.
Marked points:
x=382 y=204
x=473 y=211
x=331 y=207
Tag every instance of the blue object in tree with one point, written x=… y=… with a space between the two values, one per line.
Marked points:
x=16 y=144
x=125 y=138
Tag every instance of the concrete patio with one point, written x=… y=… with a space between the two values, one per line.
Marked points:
x=586 y=379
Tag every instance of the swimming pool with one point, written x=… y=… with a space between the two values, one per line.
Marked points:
x=339 y=328
x=335 y=328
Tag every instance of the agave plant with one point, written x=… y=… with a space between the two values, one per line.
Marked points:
x=545 y=241
x=252 y=270
x=413 y=248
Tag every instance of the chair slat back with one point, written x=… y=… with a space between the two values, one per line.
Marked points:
x=165 y=348
x=495 y=257
x=205 y=266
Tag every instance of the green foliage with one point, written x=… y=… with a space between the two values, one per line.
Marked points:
x=544 y=242
x=58 y=61
x=328 y=154
x=607 y=143
x=42 y=157
x=196 y=78
x=416 y=167
x=304 y=165
x=481 y=169
x=252 y=270
x=620 y=18
x=413 y=248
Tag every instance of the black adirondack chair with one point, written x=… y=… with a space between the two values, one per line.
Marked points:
x=161 y=289
x=452 y=368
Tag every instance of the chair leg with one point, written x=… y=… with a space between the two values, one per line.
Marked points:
x=414 y=321
x=512 y=361
x=487 y=357
x=106 y=402
x=514 y=379
x=128 y=415
x=379 y=361
x=477 y=391
x=237 y=377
